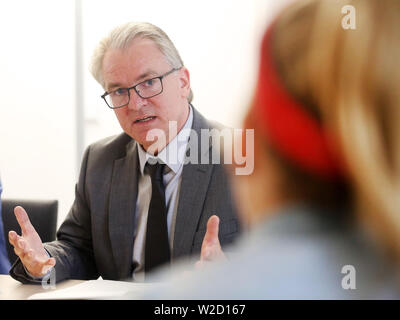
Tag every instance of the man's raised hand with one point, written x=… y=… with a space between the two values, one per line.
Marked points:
x=211 y=248
x=29 y=247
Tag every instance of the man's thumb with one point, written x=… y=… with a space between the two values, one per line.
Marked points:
x=211 y=236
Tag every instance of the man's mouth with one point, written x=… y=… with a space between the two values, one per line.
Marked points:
x=145 y=119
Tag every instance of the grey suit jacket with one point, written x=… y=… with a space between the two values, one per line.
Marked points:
x=96 y=238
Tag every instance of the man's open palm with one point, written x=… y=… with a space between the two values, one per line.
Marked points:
x=29 y=247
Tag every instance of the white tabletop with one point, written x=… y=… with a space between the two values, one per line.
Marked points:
x=11 y=289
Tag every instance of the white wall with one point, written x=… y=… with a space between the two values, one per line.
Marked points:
x=37 y=106
x=217 y=39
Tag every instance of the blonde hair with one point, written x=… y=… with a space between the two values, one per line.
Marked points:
x=351 y=80
x=122 y=36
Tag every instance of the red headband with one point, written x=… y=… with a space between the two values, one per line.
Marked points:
x=293 y=131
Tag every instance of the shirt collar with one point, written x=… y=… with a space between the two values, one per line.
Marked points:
x=173 y=154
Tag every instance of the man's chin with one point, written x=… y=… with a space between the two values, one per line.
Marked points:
x=152 y=146
x=148 y=136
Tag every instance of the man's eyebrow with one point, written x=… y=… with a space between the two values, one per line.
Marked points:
x=143 y=76
x=146 y=75
x=111 y=86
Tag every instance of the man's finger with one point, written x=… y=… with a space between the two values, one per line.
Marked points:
x=18 y=252
x=12 y=237
x=18 y=242
x=23 y=220
x=21 y=243
x=20 y=247
x=211 y=248
x=211 y=236
x=50 y=263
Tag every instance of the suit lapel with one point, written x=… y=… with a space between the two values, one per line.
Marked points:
x=193 y=190
x=123 y=195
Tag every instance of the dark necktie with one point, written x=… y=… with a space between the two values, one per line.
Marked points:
x=157 y=244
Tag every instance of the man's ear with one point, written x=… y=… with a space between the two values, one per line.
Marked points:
x=184 y=82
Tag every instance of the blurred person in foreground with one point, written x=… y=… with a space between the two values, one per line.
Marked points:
x=324 y=199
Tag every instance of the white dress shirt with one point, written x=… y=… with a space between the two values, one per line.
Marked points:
x=173 y=156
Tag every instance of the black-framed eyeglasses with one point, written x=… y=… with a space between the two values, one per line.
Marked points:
x=146 y=89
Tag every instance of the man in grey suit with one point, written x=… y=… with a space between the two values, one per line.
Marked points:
x=117 y=227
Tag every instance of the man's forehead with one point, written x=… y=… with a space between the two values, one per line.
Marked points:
x=138 y=51
x=140 y=60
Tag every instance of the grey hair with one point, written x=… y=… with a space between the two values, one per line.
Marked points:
x=122 y=36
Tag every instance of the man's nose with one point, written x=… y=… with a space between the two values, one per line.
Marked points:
x=136 y=102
